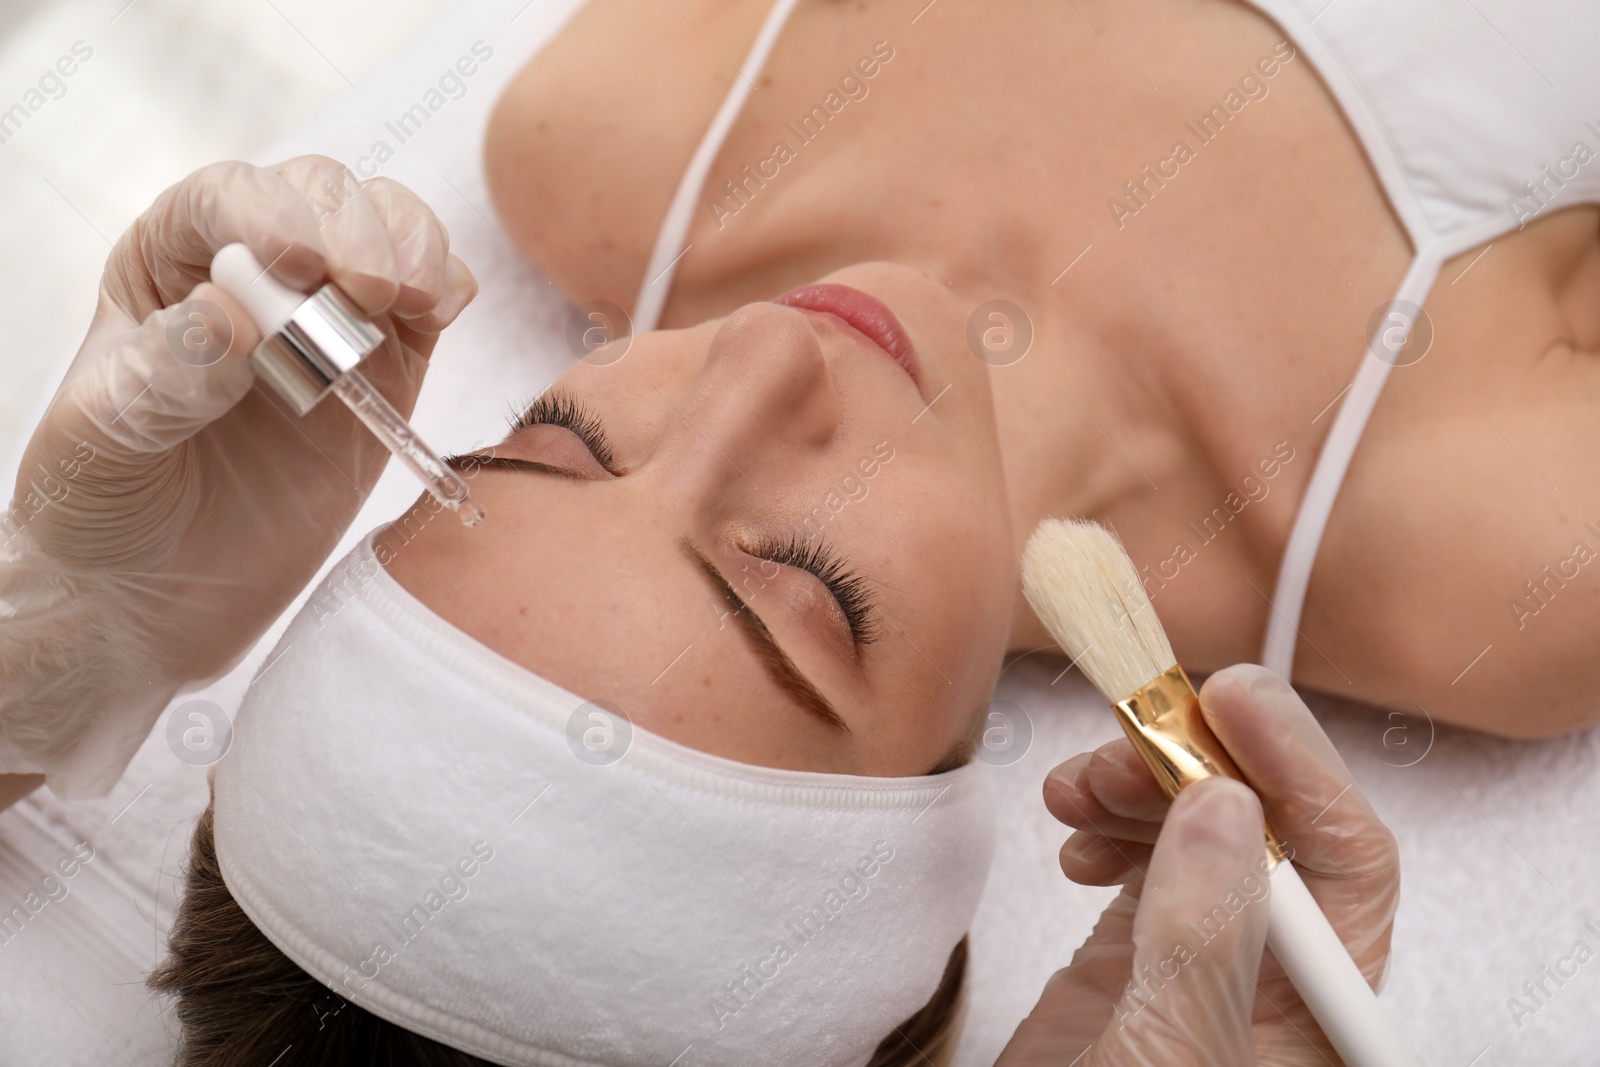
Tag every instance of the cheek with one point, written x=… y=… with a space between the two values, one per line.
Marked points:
x=946 y=524
x=978 y=562
x=961 y=519
x=950 y=559
x=953 y=603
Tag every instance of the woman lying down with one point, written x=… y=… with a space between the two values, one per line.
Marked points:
x=667 y=762
x=632 y=773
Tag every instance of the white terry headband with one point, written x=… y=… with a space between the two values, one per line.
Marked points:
x=425 y=827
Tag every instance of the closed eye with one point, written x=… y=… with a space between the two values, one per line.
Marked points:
x=555 y=408
x=849 y=589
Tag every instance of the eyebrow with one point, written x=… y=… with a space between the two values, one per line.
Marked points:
x=779 y=667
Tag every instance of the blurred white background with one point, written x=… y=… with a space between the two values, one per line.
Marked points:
x=169 y=85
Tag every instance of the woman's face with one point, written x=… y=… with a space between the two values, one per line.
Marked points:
x=765 y=537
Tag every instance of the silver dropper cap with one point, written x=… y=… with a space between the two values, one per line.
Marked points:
x=309 y=340
x=324 y=337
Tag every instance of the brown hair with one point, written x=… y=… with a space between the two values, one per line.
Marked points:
x=242 y=1003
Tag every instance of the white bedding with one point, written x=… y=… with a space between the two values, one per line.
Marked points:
x=1501 y=841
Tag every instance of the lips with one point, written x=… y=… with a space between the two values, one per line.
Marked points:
x=867 y=314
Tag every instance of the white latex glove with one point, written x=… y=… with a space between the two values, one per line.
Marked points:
x=167 y=509
x=1202 y=992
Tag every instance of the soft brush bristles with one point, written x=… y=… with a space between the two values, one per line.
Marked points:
x=1085 y=590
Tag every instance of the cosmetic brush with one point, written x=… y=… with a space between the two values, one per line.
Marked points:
x=1086 y=591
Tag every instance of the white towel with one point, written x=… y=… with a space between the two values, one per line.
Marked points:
x=376 y=819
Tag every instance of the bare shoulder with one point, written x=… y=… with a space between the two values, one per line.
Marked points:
x=585 y=145
x=1461 y=569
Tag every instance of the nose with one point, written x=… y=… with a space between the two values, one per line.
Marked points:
x=762 y=402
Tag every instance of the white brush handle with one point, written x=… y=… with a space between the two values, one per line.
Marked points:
x=1327 y=979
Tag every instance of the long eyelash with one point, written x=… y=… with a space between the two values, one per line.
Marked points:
x=848 y=588
x=553 y=408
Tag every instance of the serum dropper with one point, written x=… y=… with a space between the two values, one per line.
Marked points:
x=312 y=347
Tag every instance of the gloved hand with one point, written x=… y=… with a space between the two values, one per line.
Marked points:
x=167 y=508
x=1147 y=988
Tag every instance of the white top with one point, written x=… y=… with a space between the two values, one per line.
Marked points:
x=1477 y=116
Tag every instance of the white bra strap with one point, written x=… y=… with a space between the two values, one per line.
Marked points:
x=1300 y=554
x=669 y=249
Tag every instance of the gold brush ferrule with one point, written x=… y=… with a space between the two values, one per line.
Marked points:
x=1168 y=730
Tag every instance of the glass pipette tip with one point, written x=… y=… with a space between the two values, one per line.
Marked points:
x=398 y=437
